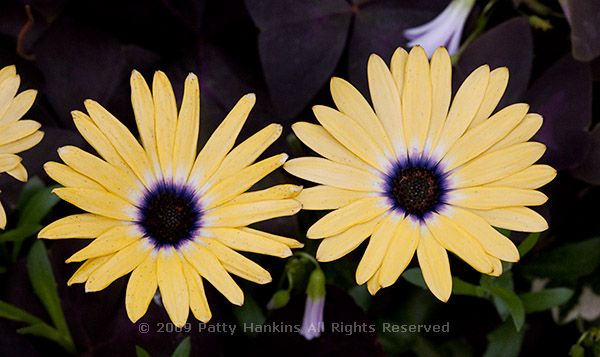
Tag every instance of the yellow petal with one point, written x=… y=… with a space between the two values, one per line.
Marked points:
x=122 y=140
x=173 y=286
x=8 y=89
x=496 y=165
x=484 y=197
x=109 y=176
x=83 y=225
x=350 y=102
x=2 y=217
x=386 y=101
x=7 y=72
x=119 y=264
x=435 y=266
x=248 y=213
x=86 y=269
x=198 y=302
x=22 y=144
x=441 y=93
x=188 y=126
x=324 y=144
x=209 y=267
x=337 y=221
x=400 y=252
x=497 y=266
x=277 y=192
x=523 y=132
x=458 y=242
x=416 y=100
x=521 y=219
x=480 y=138
x=14 y=131
x=331 y=173
x=143 y=109
x=141 y=288
x=8 y=162
x=493 y=94
x=246 y=153
x=221 y=141
x=92 y=134
x=111 y=241
x=398 y=66
x=533 y=177
x=68 y=177
x=18 y=106
x=247 y=241
x=165 y=112
x=373 y=283
x=463 y=109
x=98 y=202
x=292 y=243
x=19 y=172
x=351 y=135
x=335 y=247
x=492 y=241
x=241 y=181
x=377 y=248
x=238 y=264
x=327 y=197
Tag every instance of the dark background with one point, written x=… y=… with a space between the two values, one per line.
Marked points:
x=285 y=51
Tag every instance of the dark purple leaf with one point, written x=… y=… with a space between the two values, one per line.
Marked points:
x=300 y=44
x=584 y=18
x=589 y=170
x=509 y=44
x=78 y=63
x=563 y=96
x=379 y=28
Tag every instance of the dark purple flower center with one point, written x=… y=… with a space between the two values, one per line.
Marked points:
x=416 y=188
x=170 y=214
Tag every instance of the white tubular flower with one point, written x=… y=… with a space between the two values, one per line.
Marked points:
x=445 y=30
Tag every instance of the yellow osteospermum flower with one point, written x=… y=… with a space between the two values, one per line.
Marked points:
x=15 y=135
x=170 y=216
x=418 y=173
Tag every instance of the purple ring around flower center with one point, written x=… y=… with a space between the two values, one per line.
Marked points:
x=416 y=187
x=169 y=214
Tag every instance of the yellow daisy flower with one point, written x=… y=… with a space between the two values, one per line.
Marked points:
x=419 y=172
x=158 y=209
x=15 y=135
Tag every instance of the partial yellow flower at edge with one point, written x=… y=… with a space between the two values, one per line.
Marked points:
x=16 y=135
x=420 y=172
x=157 y=209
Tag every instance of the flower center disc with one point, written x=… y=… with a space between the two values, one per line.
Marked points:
x=169 y=214
x=416 y=190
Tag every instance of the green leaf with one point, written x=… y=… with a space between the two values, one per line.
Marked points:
x=415 y=277
x=140 y=352
x=459 y=287
x=20 y=233
x=528 y=244
x=566 y=263
x=44 y=286
x=14 y=313
x=505 y=341
x=183 y=349
x=508 y=297
x=38 y=206
x=32 y=186
x=361 y=296
x=249 y=313
x=545 y=299
x=43 y=330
